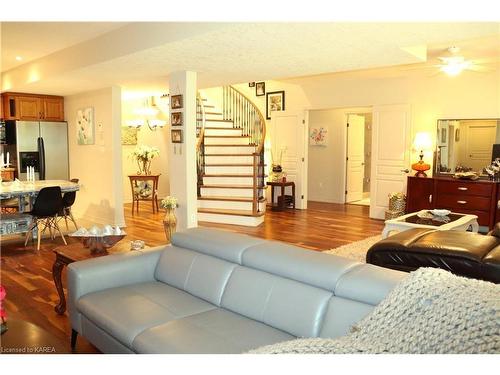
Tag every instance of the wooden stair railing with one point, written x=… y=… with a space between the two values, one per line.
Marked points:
x=246 y=116
x=200 y=133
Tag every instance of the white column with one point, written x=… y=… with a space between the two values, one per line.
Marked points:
x=182 y=156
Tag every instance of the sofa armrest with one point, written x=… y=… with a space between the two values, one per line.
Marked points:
x=93 y=275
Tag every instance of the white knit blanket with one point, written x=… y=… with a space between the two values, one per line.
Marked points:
x=431 y=311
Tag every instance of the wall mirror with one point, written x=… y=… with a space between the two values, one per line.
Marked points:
x=464 y=145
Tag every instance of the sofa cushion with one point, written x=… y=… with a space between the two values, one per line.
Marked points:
x=286 y=304
x=221 y=244
x=341 y=315
x=201 y=275
x=306 y=266
x=126 y=311
x=368 y=283
x=211 y=332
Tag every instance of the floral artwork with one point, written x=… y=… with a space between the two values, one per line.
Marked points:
x=318 y=136
x=85 y=126
x=129 y=136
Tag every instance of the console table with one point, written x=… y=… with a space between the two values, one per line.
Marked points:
x=136 y=196
x=477 y=197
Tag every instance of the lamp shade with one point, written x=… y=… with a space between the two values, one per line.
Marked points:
x=422 y=141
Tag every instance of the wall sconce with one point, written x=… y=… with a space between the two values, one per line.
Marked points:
x=150 y=115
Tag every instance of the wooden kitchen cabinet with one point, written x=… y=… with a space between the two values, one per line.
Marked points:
x=33 y=107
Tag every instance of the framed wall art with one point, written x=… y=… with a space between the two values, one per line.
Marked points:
x=176 y=101
x=260 y=89
x=251 y=84
x=129 y=135
x=318 y=136
x=176 y=118
x=176 y=135
x=275 y=102
x=85 y=126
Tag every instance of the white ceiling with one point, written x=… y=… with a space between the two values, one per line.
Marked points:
x=142 y=55
x=32 y=40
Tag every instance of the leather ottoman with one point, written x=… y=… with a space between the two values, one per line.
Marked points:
x=462 y=253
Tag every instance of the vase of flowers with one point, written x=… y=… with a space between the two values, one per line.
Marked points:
x=143 y=156
x=169 y=221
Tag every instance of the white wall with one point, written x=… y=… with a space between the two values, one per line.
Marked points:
x=98 y=166
x=145 y=136
x=431 y=97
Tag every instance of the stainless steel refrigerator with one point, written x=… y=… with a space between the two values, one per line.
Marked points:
x=43 y=145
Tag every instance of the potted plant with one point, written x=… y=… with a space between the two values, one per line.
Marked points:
x=169 y=221
x=143 y=155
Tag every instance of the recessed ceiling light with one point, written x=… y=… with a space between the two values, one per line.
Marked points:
x=19 y=58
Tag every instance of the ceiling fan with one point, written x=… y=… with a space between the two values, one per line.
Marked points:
x=452 y=63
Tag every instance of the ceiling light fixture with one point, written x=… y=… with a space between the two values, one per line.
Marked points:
x=455 y=65
x=148 y=114
x=19 y=58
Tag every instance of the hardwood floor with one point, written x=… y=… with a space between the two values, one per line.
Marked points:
x=27 y=274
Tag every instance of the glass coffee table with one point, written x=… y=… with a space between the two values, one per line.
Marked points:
x=453 y=221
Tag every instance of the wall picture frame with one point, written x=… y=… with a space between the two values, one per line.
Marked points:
x=275 y=102
x=251 y=84
x=176 y=135
x=85 y=127
x=176 y=102
x=260 y=88
x=176 y=118
x=129 y=135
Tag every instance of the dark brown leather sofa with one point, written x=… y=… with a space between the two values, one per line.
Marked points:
x=462 y=253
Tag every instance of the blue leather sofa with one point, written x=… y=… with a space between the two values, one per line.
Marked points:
x=213 y=291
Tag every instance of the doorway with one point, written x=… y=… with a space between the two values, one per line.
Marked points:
x=358 y=158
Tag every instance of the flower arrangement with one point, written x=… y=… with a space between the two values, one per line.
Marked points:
x=493 y=170
x=143 y=155
x=169 y=203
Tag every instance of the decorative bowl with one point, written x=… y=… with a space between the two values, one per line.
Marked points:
x=440 y=212
x=100 y=244
x=99 y=240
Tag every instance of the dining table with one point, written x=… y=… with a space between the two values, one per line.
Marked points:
x=26 y=192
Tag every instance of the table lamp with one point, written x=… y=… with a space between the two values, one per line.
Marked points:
x=422 y=142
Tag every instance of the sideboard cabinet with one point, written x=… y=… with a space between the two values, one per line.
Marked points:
x=478 y=197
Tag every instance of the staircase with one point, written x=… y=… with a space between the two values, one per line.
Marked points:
x=230 y=158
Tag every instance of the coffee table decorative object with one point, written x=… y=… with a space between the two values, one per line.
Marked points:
x=397 y=205
x=98 y=240
x=434 y=219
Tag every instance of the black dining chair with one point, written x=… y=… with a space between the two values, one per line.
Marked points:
x=48 y=204
x=68 y=200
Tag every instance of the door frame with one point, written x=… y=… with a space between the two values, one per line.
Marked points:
x=343 y=135
x=304 y=115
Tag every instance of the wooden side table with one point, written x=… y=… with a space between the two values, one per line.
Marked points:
x=72 y=253
x=136 y=197
x=280 y=206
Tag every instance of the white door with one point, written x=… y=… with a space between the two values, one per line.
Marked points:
x=355 y=171
x=478 y=141
x=289 y=137
x=390 y=155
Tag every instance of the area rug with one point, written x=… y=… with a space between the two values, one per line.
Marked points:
x=355 y=250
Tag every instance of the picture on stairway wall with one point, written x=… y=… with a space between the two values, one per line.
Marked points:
x=176 y=135
x=176 y=101
x=251 y=84
x=176 y=118
x=275 y=102
x=260 y=89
